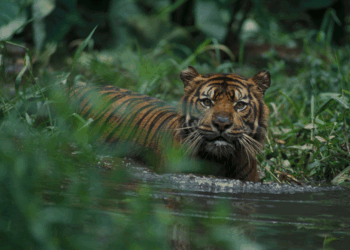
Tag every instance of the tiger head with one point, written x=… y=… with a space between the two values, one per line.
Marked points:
x=224 y=114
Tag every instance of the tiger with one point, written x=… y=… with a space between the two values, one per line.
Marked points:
x=221 y=119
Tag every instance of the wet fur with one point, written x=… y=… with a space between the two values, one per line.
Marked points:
x=222 y=133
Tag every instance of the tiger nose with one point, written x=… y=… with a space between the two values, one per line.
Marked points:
x=222 y=123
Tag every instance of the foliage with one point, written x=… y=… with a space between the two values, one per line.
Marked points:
x=310 y=118
x=54 y=196
x=12 y=17
x=150 y=21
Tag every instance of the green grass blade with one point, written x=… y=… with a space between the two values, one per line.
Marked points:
x=201 y=48
x=325 y=106
x=81 y=48
x=295 y=107
x=81 y=119
x=170 y=8
x=340 y=177
x=20 y=75
x=341 y=101
x=86 y=124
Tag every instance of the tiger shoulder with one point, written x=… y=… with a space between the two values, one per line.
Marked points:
x=221 y=119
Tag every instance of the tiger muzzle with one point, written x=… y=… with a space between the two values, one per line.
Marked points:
x=222 y=123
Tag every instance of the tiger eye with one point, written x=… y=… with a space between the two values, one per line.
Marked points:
x=240 y=105
x=207 y=102
x=201 y=124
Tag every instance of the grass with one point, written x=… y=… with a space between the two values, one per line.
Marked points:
x=53 y=194
x=309 y=119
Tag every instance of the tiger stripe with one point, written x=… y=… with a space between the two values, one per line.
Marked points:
x=227 y=131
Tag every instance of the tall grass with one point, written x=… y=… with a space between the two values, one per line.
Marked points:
x=309 y=120
x=55 y=191
x=54 y=196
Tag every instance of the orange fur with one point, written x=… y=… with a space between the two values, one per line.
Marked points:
x=221 y=119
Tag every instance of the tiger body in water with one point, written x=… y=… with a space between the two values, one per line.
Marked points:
x=221 y=119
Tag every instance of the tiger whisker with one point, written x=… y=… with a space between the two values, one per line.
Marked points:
x=252 y=146
x=183 y=128
x=190 y=137
x=254 y=143
x=196 y=143
x=192 y=141
x=197 y=127
x=246 y=148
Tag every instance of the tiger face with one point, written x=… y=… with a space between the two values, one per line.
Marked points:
x=221 y=119
x=224 y=114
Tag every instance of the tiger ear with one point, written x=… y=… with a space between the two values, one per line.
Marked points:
x=263 y=80
x=187 y=75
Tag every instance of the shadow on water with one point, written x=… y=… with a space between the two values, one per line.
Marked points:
x=272 y=216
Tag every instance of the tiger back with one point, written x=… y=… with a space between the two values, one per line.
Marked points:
x=127 y=121
x=221 y=119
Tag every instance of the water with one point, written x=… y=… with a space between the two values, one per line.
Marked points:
x=267 y=216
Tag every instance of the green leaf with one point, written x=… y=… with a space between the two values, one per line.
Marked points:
x=29 y=119
x=41 y=8
x=21 y=73
x=7 y=30
x=201 y=48
x=313 y=165
x=86 y=124
x=337 y=97
x=341 y=176
x=295 y=107
x=9 y=11
x=81 y=119
x=121 y=20
x=342 y=102
x=81 y=48
x=62 y=79
x=208 y=17
x=346 y=91
x=325 y=106
x=170 y=8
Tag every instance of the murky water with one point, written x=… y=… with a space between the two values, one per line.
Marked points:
x=272 y=215
x=269 y=216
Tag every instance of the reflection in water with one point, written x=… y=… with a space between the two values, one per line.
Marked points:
x=256 y=215
x=215 y=185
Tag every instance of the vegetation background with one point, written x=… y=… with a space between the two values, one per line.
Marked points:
x=54 y=197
